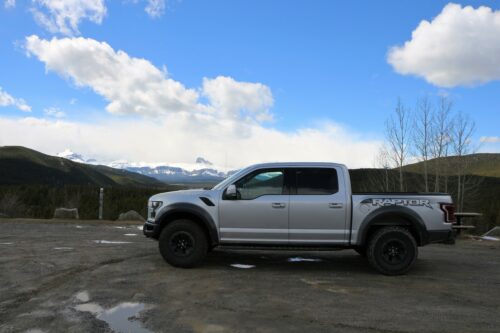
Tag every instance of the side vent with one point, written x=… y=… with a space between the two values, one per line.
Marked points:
x=207 y=201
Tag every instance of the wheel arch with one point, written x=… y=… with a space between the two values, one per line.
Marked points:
x=190 y=212
x=393 y=216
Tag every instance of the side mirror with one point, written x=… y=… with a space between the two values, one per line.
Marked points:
x=231 y=192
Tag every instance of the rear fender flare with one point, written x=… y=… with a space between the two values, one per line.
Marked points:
x=392 y=216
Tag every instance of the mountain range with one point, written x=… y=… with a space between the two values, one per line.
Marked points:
x=202 y=171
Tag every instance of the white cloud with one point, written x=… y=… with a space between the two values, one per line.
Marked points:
x=64 y=16
x=131 y=85
x=181 y=137
x=490 y=139
x=239 y=99
x=10 y=3
x=54 y=112
x=459 y=47
x=135 y=86
x=155 y=8
x=7 y=100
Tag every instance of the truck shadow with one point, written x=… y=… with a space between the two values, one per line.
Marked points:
x=346 y=261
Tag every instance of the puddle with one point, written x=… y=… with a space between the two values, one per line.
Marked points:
x=110 y=242
x=299 y=259
x=121 y=318
x=63 y=248
x=130 y=235
x=242 y=266
x=8 y=243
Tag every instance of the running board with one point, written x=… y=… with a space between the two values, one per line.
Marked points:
x=264 y=247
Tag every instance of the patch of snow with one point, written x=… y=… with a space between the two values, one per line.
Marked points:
x=139 y=227
x=121 y=227
x=242 y=266
x=63 y=248
x=82 y=296
x=93 y=308
x=79 y=227
x=109 y=242
x=130 y=235
x=299 y=259
x=489 y=238
x=7 y=243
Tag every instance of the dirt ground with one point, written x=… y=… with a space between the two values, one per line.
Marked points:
x=90 y=276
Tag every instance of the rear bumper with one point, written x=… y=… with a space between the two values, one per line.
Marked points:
x=151 y=229
x=441 y=236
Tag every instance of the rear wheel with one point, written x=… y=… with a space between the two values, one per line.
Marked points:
x=392 y=250
x=183 y=243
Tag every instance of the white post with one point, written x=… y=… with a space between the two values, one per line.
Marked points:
x=101 y=200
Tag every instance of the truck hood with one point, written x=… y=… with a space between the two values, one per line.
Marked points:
x=182 y=193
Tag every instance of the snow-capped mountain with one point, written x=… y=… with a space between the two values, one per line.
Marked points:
x=173 y=173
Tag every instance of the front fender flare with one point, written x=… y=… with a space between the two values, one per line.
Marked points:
x=170 y=212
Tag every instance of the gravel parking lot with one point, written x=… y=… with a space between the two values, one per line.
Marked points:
x=90 y=276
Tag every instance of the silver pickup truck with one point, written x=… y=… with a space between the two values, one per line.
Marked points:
x=298 y=206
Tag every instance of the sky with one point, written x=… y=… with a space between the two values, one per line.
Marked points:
x=239 y=82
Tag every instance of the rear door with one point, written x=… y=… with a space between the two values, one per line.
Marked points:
x=317 y=207
x=260 y=213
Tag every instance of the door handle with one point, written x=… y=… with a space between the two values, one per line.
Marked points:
x=278 y=205
x=335 y=205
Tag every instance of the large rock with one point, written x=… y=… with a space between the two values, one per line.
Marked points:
x=131 y=215
x=66 y=213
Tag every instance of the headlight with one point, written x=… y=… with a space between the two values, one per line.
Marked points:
x=154 y=206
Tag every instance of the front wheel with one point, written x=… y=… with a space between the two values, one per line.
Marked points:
x=183 y=243
x=392 y=250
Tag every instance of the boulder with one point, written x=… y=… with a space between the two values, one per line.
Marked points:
x=66 y=213
x=131 y=215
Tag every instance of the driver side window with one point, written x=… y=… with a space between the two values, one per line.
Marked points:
x=262 y=182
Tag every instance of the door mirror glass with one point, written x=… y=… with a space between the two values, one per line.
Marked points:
x=231 y=192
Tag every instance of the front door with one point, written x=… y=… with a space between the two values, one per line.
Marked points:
x=317 y=207
x=260 y=212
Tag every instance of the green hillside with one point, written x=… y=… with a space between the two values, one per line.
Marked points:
x=23 y=166
x=487 y=165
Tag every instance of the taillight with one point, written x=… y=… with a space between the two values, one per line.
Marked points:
x=449 y=212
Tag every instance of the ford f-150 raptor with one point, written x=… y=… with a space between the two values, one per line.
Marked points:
x=298 y=206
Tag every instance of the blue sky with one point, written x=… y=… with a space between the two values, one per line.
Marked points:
x=324 y=62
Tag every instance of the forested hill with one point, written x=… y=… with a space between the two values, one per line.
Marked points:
x=23 y=166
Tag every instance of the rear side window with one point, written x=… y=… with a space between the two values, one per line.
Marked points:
x=316 y=181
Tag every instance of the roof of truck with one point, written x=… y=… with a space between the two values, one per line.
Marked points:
x=297 y=165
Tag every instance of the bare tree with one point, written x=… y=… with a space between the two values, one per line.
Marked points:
x=422 y=134
x=440 y=137
x=398 y=138
x=382 y=160
x=463 y=129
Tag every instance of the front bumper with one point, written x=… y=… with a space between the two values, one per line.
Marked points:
x=151 y=229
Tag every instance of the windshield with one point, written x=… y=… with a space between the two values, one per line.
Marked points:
x=231 y=179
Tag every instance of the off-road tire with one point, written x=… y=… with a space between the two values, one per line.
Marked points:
x=183 y=243
x=392 y=250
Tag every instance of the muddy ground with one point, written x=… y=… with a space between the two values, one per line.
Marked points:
x=62 y=276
